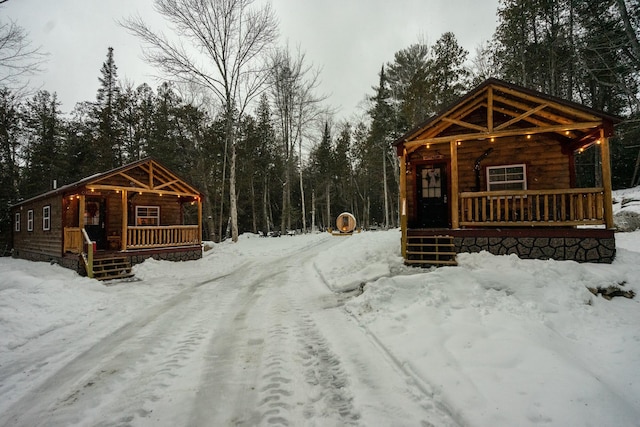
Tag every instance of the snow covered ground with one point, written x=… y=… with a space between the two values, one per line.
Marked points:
x=276 y=331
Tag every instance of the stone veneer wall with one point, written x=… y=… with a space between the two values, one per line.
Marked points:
x=168 y=255
x=581 y=249
x=74 y=262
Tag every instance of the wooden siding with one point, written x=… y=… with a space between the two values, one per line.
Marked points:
x=46 y=242
x=547 y=167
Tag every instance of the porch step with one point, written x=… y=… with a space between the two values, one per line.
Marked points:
x=430 y=250
x=116 y=267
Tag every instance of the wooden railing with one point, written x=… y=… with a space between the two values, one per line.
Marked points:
x=569 y=207
x=73 y=240
x=162 y=236
x=87 y=253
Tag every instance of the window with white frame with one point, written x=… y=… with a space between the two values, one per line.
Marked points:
x=17 y=223
x=507 y=177
x=46 y=218
x=30 y=220
x=147 y=215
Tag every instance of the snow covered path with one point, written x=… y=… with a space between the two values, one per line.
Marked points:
x=266 y=343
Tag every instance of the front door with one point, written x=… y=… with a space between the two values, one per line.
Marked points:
x=94 y=221
x=433 y=207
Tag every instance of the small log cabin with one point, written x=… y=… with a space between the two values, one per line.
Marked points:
x=103 y=224
x=496 y=172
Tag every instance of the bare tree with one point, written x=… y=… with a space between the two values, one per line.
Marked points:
x=292 y=86
x=18 y=58
x=218 y=45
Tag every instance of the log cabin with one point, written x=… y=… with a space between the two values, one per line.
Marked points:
x=102 y=225
x=496 y=171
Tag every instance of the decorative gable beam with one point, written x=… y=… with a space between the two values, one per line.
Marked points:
x=521 y=117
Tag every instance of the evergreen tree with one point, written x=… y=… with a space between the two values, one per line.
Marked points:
x=42 y=130
x=108 y=144
x=9 y=162
x=448 y=73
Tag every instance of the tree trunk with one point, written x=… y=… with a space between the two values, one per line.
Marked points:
x=328 y=204
x=313 y=211
x=386 y=189
x=304 y=212
x=233 y=202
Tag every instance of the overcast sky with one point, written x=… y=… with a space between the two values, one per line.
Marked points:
x=349 y=40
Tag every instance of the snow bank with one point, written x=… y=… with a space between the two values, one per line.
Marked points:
x=360 y=258
x=626 y=208
x=505 y=341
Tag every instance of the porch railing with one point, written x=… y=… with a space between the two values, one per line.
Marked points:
x=162 y=236
x=568 y=207
x=73 y=240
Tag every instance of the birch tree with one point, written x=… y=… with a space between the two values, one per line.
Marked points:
x=219 y=46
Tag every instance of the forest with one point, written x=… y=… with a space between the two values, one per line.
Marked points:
x=244 y=122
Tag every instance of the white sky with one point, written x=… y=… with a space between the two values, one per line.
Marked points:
x=349 y=40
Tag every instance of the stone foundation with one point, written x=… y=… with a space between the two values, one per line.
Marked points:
x=73 y=262
x=596 y=245
x=598 y=249
x=166 y=255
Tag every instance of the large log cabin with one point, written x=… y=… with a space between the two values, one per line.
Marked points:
x=496 y=172
x=103 y=224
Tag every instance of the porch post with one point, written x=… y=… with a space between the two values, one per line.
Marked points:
x=606 y=179
x=200 y=218
x=81 y=211
x=403 y=202
x=125 y=220
x=453 y=148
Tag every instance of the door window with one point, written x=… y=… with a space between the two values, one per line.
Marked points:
x=431 y=182
x=92 y=213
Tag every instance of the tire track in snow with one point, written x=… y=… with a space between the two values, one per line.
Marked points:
x=145 y=354
x=438 y=412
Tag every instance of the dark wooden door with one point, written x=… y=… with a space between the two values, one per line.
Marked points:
x=94 y=221
x=433 y=206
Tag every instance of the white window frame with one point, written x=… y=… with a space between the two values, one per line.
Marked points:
x=30 y=220
x=17 y=222
x=523 y=181
x=142 y=218
x=46 y=218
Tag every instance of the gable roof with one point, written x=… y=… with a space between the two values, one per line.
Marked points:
x=496 y=108
x=146 y=175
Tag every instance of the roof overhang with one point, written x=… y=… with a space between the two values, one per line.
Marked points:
x=498 y=109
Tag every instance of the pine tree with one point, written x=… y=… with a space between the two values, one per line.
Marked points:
x=108 y=143
x=42 y=130
x=9 y=162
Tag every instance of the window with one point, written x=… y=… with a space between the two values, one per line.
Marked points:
x=147 y=215
x=431 y=182
x=46 y=218
x=30 y=220
x=509 y=177
x=17 y=227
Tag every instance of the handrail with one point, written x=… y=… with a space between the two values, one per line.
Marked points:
x=89 y=252
x=567 y=207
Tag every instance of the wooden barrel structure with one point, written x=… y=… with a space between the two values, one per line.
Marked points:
x=345 y=223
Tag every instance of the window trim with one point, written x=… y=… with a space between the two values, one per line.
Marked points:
x=30 y=220
x=17 y=221
x=523 y=180
x=140 y=217
x=46 y=218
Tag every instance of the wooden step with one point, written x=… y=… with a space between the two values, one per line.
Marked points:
x=430 y=251
x=111 y=268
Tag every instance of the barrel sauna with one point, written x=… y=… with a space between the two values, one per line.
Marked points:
x=346 y=223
